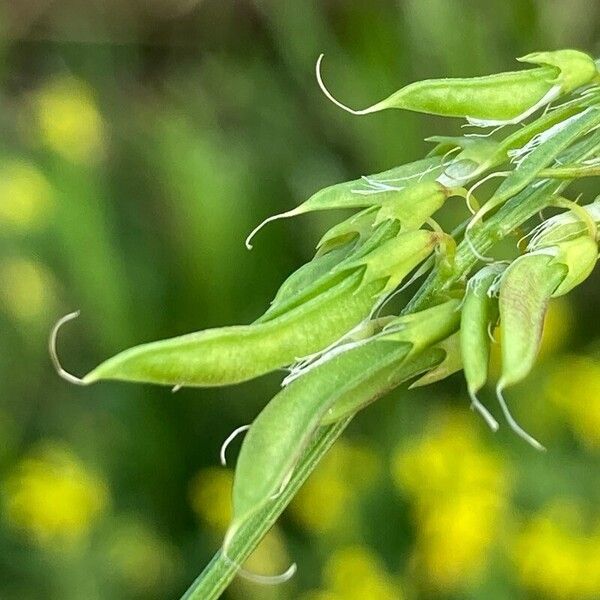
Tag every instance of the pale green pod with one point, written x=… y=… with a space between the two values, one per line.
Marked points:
x=294 y=289
x=525 y=290
x=479 y=313
x=411 y=206
x=358 y=372
x=313 y=280
x=283 y=429
x=228 y=355
x=361 y=193
x=493 y=99
x=302 y=324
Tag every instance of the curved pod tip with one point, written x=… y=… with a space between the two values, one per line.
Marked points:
x=249 y=575
x=54 y=354
x=331 y=97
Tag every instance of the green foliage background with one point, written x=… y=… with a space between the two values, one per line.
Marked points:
x=140 y=143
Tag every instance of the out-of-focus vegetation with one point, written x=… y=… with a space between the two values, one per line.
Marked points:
x=140 y=142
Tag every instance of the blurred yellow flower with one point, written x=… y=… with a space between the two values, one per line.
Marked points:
x=573 y=386
x=143 y=561
x=325 y=501
x=321 y=595
x=557 y=326
x=27 y=289
x=555 y=559
x=269 y=558
x=459 y=493
x=210 y=496
x=53 y=497
x=25 y=195
x=68 y=120
x=355 y=573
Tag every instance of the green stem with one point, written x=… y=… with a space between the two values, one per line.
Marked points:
x=217 y=575
x=573 y=172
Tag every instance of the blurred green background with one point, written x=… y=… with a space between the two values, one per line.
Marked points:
x=140 y=142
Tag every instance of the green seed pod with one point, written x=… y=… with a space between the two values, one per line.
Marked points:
x=494 y=99
x=283 y=429
x=525 y=289
x=411 y=206
x=305 y=282
x=348 y=379
x=361 y=193
x=297 y=326
x=479 y=313
x=318 y=279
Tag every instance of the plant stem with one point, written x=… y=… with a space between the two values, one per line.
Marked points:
x=217 y=575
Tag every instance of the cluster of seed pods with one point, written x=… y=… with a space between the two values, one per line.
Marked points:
x=325 y=322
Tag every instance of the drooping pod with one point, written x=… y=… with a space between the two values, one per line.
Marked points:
x=479 y=314
x=350 y=378
x=525 y=290
x=339 y=301
x=490 y=100
x=361 y=193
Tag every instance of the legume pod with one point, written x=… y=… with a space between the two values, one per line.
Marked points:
x=349 y=379
x=492 y=99
x=229 y=355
